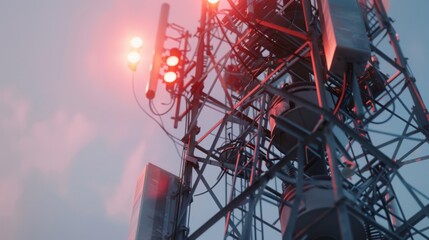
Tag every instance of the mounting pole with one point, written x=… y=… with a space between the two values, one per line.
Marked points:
x=191 y=131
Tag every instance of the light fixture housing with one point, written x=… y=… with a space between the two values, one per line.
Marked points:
x=174 y=58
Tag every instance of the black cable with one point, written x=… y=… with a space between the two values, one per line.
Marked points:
x=155 y=111
x=169 y=135
x=391 y=111
x=214 y=185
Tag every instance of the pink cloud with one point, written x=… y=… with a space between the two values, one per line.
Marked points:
x=52 y=144
x=10 y=192
x=118 y=204
x=13 y=121
x=46 y=147
x=15 y=111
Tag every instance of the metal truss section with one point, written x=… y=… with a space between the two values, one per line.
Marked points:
x=281 y=148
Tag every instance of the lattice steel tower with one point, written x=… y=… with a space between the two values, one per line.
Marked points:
x=298 y=118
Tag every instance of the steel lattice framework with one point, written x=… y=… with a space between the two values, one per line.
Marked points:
x=280 y=147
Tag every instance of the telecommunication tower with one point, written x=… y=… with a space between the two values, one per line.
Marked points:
x=300 y=118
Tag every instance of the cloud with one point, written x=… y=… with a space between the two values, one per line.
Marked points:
x=10 y=192
x=46 y=147
x=51 y=144
x=118 y=205
x=14 y=111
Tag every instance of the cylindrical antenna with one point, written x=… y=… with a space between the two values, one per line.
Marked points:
x=159 y=49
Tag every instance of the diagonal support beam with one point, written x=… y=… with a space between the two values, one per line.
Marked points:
x=282 y=29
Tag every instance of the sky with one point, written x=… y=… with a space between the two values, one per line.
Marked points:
x=72 y=138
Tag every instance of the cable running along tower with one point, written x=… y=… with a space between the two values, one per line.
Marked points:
x=300 y=120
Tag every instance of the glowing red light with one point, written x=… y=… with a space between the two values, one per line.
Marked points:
x=172 y=60
x=170 y=77
x=174 y=57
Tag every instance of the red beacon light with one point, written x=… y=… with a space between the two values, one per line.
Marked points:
x=174 y=57
x=170 y=77
x=172 y=62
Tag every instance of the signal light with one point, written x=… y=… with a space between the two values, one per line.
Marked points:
x=174 y=57
x=213 y=4
x=172 y=61
x=136 y=42
x=134 y=55
x=170 y=77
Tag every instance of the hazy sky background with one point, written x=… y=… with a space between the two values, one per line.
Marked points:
x=73 y=140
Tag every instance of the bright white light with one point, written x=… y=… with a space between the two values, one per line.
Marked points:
x=136 y=42
x=213 y=1
x=172 y=61
x=170 y=77
x=134 y=57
